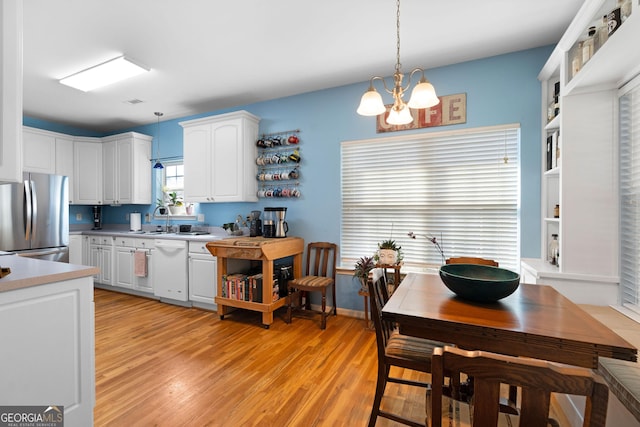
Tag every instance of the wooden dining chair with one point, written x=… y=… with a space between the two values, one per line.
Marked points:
x=394 y=349
x=471 y=260
x=320 y=275
x=537 y=379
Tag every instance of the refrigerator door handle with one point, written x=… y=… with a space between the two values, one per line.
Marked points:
x=34 y=210
x=27 y=209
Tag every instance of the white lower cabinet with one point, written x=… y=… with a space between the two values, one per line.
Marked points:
x=203 y=269
x=48 y=348
x=76 y=249
x=101 y=256
x=125 y=261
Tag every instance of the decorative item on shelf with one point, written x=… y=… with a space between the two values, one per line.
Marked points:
x=362 y=269
x=389 y=253
x=422 y=96
x=433 y=240
x=553 y=252
x=556 y=211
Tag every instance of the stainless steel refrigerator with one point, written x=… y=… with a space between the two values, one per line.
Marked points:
x=34 y=217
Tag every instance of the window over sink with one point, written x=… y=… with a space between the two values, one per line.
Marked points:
x=170 y=188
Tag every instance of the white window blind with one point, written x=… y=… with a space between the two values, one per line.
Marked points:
x=453 y=185
x=630 y=196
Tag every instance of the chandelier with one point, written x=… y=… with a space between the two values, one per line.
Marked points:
x=423 y=94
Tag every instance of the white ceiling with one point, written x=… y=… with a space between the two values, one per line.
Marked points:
x=206 y=55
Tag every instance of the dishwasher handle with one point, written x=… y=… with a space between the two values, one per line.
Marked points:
x=177 y=244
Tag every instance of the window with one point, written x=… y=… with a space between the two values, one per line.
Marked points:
x=174 y=178
x=170 y=179
x=630 y=195
x=453 y=185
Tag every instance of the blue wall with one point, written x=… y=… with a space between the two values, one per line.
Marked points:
x=500 y=90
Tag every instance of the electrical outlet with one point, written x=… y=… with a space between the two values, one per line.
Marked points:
x=200 y=217
x=126 y=217
x=147 y=217
x=78 y=217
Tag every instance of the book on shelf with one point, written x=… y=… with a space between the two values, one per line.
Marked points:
x=555 y=149
x=242 y=287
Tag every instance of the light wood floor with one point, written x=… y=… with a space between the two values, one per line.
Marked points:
x=163 y=365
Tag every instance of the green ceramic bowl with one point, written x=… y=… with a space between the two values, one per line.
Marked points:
x=481 y=283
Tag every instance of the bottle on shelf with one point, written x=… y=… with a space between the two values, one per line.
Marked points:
x=554 y=250
x=588 y=45
x=602 y=34
x=576 y=59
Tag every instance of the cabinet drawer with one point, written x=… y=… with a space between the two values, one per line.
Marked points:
x=124 y=241
x=145 y=243
x=199 y=248
x=101 y=240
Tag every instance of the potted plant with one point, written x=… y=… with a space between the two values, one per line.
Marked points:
x=388 y=253
x=362 y=268
x=162 y=209
x=176 y=207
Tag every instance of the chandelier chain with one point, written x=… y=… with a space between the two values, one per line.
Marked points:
x=398 y=65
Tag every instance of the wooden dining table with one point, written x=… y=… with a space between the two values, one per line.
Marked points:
x=535 y=321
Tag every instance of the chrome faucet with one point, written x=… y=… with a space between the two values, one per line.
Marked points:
x=166 y=227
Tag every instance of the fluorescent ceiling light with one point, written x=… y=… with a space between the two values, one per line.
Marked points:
x=109 y=72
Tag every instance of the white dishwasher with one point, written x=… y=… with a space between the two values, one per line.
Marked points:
x=170 y=270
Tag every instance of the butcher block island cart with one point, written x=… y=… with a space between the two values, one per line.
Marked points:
x=257 y=249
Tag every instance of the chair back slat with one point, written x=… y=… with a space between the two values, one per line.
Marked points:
x=471 y=260
x=378 y=297
x=321 y=259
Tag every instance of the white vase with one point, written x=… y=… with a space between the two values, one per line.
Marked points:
x=177 y=210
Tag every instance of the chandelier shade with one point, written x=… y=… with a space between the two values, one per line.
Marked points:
x=423 y=94
x=371 y=103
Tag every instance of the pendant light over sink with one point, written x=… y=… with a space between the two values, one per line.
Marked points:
x=422 y=96
x=158 y=165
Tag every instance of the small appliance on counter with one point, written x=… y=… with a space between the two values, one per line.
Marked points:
x=255 y=224
x=274 y=223
x=97 y=218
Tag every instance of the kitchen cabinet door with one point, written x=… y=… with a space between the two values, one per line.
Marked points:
x=11 y=90
x=123 y=267
x=127 y=169
x=203 y=274
x=88 y=171
x=38 y=151
x=64 y=163
x=219 y=158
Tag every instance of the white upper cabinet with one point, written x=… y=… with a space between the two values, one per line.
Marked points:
x=219 y=158
x=38 y=151
x=88 y=171
x=11 y=90
x=127 y=169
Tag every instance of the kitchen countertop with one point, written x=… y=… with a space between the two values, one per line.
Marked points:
x=27 y=272
x=153 y=235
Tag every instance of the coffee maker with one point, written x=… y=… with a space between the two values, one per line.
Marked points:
x=97 y=218
x=281 y=225
x=274 y=224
